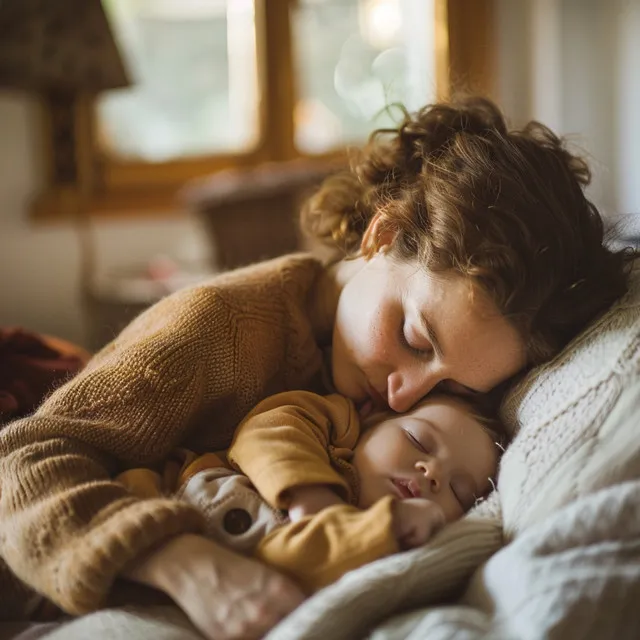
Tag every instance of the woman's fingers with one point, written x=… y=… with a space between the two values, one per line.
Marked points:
x=226 y=596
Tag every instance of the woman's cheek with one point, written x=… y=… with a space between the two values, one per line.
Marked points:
x=381 y=339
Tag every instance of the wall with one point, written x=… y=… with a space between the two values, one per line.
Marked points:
x=39 y=287
x=572 y=64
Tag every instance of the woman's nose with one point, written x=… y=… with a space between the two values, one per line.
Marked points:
x=432 y=471
x=405 y=388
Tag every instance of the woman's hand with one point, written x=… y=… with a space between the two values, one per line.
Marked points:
x=226 y=596
x=415 y=520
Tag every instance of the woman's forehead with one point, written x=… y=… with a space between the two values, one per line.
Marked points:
x=451 y=289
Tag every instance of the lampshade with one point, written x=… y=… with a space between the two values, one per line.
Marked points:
x=58 y=45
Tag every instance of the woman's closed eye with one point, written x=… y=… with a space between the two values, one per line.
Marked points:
x=420 y=347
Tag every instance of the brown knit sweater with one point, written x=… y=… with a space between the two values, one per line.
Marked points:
x=185 y=373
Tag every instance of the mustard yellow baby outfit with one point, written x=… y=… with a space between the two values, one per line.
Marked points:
x=289 y=440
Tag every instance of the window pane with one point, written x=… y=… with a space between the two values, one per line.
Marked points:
x=194 y=67
x=353 y=58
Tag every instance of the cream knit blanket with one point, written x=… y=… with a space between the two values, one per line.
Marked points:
x=555 y=551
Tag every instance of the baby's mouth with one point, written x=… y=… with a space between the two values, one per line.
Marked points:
x=406 y=489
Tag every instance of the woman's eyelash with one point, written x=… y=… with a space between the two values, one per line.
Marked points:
x=403 y=339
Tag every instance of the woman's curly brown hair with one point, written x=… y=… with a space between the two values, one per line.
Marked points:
x=505 y=208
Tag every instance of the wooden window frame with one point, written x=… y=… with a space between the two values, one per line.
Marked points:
x=81 y=179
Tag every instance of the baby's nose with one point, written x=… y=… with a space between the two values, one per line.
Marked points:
x=432 y=472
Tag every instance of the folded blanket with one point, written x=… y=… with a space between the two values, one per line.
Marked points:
x=365 y=597
x=575 y=575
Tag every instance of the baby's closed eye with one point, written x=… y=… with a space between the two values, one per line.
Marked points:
x=465 y=491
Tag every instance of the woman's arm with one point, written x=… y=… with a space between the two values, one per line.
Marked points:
x=68 y=529
x=227 y=596
x=183 y=372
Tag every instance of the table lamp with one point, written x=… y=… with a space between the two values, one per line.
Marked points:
x=63 y=51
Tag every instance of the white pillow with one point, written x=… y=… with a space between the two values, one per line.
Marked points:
x=573 y=431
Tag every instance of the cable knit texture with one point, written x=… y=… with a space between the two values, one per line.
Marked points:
x=176 y=375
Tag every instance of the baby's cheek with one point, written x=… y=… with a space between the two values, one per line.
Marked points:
x=372 y=487
x=452 y=510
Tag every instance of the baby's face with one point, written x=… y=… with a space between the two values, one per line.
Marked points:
x=437 y=451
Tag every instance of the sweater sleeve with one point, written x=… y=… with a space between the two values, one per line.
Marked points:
x=68 y=528
x=284 y=443
x=319 y=549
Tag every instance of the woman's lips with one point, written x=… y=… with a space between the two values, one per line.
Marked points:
x=406 y=488
x=379 y=401
x=374 y=402
x=365 y=409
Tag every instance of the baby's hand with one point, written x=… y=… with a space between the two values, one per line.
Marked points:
x=415 y=521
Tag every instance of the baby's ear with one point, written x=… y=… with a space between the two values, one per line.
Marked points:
x=378 y=236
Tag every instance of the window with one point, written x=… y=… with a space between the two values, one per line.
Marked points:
x=352 y=60
x=195 y=89
x=228 y=83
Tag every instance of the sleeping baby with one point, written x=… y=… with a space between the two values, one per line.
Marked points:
x=311 y=489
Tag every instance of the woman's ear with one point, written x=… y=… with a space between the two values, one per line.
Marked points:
x=378 y=234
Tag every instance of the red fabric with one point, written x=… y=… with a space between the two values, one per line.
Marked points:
x=30 y=369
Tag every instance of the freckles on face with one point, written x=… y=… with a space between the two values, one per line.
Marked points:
x=362 y=329
x=478 y=348
x=403 y=330
x=377 y=335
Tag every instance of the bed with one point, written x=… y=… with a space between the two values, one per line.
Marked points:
x=554 y=552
